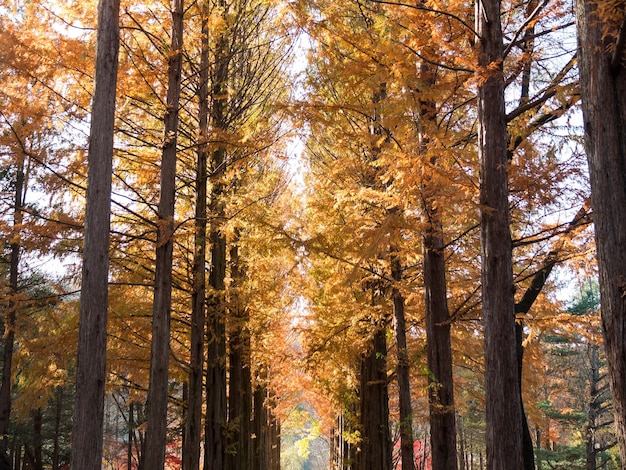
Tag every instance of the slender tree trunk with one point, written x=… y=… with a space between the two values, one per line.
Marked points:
x=273 y=440
x=402 y=370
x=37 y=439
x=131 y=434
x=260 y=451
x=594 y=409
x=503 y=414
x=87 y=430
x=441 y=386
x=57 y=427
x=11 y=314
x=603 y=92
x=216 y=410
x=17 y=460
x=375 y=448
x=193 y=431
x=528 y=45
x=240 y=391
x=156 y=433
x=442 y=416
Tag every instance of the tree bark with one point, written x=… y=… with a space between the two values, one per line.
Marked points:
x=216 y=409
x=37 y=439
x=156 y=433
x=503 y=408
x=193 y=431
x=440 y=381
x=375 y=446
x=87 y=431
x=240 y=391
x=603 y=93
x=260 y=452
x=402 y=370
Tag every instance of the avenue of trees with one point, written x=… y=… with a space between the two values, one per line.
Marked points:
x=304 y=234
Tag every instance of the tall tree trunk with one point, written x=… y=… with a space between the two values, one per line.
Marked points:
x=503 y=408
x=87 y=430
x=402 y=370
x=260 y=451
x=528 y=45
x=11 y=313
x=156 y=433
x=37 y=439
x=58 y=414
x=193 y=432
x=442 y=416
x=603 y=93
x=594 y=408
x=240 y=392
x=131 y=434
x=375 y=449
x=441 y=386
x=216 y=409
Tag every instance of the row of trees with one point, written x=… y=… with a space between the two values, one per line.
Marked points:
x=444 y=181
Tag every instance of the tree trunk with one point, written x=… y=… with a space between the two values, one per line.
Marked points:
x=441 y=385
x=156 y=433
x=503 y=408
x=193 y=431
x=260 y=451
x=528 y=45
x=37 y=439
x=240 y=391
x=442 y=416
x=57 y=427
x=603 y=93
x=594 y=408
x=11 y=314
x=87 y=431
x=216 y=410
x=402 y=370
x=375 y=447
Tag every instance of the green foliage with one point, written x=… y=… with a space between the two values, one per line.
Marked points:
x=303 y=447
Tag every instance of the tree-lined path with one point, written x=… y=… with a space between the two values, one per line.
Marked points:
x=244 y=234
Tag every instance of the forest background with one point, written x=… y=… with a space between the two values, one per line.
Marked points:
x=336 y=235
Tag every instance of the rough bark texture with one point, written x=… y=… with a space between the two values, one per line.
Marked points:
x=156 y=434
x=442 y=417
x=440 y=380
x=375 y=446
x=193 y=425
x=216 y=409
x=90 y=369
x=402 y=370
x=603 y=92
x=503 y=408
x=240 y=390
x=260 y=451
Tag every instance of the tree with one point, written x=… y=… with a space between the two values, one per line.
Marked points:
x=156 y=434
x=193 y=425
x=602 y=36
x=91 y=357
x=504 y=421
